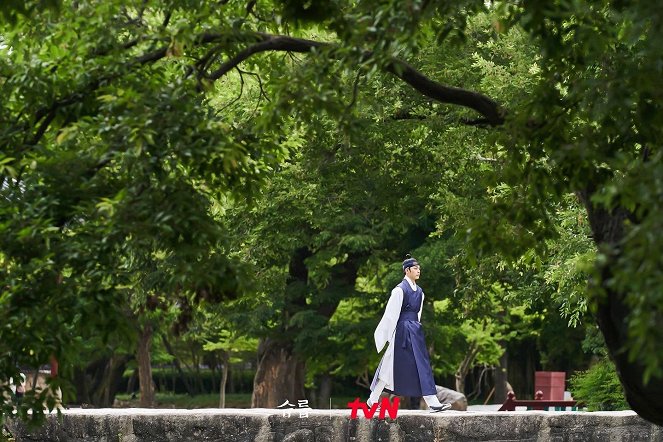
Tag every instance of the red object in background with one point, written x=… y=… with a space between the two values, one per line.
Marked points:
x=551 y=383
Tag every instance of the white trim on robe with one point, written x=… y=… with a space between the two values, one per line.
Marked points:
x=386 y=330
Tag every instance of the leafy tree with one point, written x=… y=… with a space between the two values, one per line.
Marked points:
x=111 y=170
x=213 y=331
x=591 y=130
x=342 y=206
x=599 y=387
x=331 y=212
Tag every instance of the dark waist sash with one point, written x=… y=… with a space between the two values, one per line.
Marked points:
x=404 y=317
x=408 y=316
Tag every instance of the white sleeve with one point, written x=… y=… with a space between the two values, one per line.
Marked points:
x=387 y=326
x=421 y=307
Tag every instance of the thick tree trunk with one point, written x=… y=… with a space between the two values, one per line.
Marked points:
x=643 y=399
x=280 y=373
x=143 y=355
x=612 y=312
x=280 y=376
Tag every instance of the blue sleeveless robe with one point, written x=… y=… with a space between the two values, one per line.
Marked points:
x=412 y=371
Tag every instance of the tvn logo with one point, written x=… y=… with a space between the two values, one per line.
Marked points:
x=384 y=405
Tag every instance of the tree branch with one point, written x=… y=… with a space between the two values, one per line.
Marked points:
x=166 y=19
x=487 y=107
x=241 y=92
x=271 y=43
x=492 y=112
x=447 y=94
x=42 y=128
x=257 y=76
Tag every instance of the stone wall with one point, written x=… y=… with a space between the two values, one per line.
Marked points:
x=263 y=425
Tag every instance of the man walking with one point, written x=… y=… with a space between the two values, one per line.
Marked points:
x=405 y=367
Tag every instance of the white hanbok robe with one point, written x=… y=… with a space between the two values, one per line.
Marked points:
x=385 y=332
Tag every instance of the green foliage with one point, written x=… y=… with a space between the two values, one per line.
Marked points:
x=12 y=10
x=599 y=387
x=597 y=133
x=342 y=198
x=112 y=174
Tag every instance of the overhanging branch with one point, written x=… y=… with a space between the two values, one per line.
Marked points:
x=267 y=43
x=491 y=111
x=447 y=94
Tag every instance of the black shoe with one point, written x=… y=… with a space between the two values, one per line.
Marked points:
x=443 y=407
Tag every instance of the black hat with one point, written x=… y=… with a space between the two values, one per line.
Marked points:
x=409 y=262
